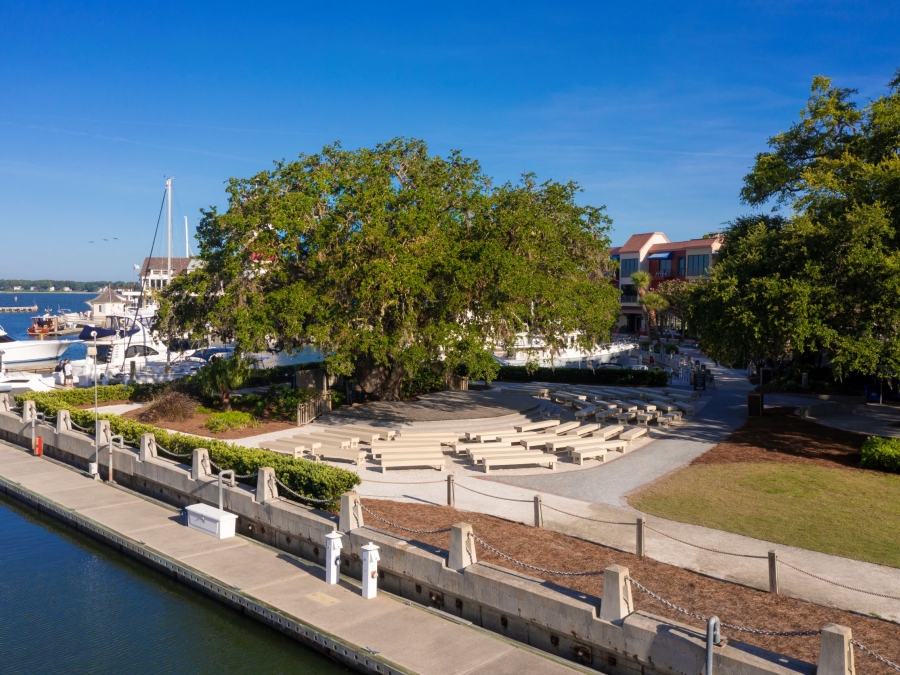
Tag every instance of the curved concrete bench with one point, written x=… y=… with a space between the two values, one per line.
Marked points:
x=608 y=432
x=537 y=426
x=596 y=452
x=425 y=459
x=513 y=460
x=354 y=455
x=634 y=433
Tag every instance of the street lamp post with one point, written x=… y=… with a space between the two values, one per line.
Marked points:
x=96 y=416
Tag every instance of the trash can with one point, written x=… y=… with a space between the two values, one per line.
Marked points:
x=755 y=404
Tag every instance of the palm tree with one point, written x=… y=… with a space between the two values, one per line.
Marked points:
x=653 y=303
x=221 y=375
x=641 y=282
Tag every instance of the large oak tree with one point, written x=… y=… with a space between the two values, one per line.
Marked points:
x=390 y=260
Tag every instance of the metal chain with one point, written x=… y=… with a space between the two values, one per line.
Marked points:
x=532 y=567
x=835 y=583
x=484 y=494
x=174 y=454
x=299 y=496
x=593 y=520
x=877 y=657
x=77 y=426
x=391 y=482
x=237 y=475
x=400 y=527
x=704 y=548
x=742 y=629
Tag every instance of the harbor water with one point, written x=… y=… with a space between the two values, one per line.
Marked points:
x=71 y=605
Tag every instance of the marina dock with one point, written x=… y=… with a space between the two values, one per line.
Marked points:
x=385 y=635
x=8 y=310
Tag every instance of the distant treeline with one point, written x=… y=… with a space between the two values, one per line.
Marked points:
x=59 y=286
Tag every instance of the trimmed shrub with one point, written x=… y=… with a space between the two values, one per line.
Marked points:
x=881 y=453
x=602 y=376
x=313 y=479
x=233 y=419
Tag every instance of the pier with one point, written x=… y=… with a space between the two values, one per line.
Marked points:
x=9 y=310
x=385 y=635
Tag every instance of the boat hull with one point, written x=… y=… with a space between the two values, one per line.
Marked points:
x=23 y=353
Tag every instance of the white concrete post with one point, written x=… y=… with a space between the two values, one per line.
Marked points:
x=351 y=512
x=148 y=447
x=836 y=651
x=333 y=546
x=103 y=433
x=29 y=411
x=63 y=420
x=200 y=467
x=616 y=603
x=462 y=547
x=538 y=512
x=370 y=560
x=266 y=489
x=4 y=402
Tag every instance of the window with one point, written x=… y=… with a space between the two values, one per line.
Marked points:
x=697 y=265
x=628 y=266
x=665 y=268
x=680 y=267
x=139 y=350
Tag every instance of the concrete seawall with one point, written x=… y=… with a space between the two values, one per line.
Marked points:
x=555 y=620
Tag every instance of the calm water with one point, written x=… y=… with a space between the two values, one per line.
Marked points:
x=71 y=605
x=16 y=324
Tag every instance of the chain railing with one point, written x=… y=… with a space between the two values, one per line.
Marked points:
x=838 y=584
x=304 y=497
x=704 y=548
x=593 y=520
x=741 y=629
x=236 y=475
x=526 y=565
x=401 y=527
x=484 y=494
x=173 y=454
x=877 y=657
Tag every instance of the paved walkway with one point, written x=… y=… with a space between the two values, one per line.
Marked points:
x=871 y=419
x=443 y=405
x=397 y=631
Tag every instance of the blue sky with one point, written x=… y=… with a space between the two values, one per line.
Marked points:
x=656 y=109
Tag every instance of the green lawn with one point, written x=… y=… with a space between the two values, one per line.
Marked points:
x=848 y=513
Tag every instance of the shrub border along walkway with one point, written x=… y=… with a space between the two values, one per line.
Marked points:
x=315 y=480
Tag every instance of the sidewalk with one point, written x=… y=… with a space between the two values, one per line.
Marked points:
x=401 y=636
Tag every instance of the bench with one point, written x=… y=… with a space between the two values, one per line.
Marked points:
x=363 y=436
x=586 y=412
x=608 y=432
x=563 y=428
x=595 y=451
x=646 y=407
x=685 y=408
x=672 y=416
x=488 y=434
x=322 y=439
x=355 y=455
x=646 y=418
x=662 y=405
x=440 y=436
x=512 y=460
x=285 y=448
x=406 y=451
x=435 y=461
x=338 y=433
x=606 y=414
x=518 y=451
x=463 y=448
x=562 y=442
x=625 y=416
x=583 y=430
x=634 y=433
x=537 y=426
x=385 y=434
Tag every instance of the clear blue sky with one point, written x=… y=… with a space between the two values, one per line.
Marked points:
x=655 y=109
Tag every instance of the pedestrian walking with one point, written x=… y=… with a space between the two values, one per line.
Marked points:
x=68 y=374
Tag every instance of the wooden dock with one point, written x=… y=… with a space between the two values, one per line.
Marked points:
x=32 y=308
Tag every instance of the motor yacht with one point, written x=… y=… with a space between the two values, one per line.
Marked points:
x=17 y=353
x=527 y=349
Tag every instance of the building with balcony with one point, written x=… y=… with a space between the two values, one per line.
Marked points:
x=664 y=260
x=154 y=274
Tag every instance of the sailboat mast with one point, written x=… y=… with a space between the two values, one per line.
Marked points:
x=169 y=205
x=187 y=247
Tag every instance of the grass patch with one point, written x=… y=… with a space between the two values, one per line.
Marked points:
x=846 y=513
x=220 y=422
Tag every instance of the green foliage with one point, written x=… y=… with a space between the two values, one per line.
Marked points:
x=604 y=376
x=826 y=277
x=67 y=398
x=389 y=259
x=277 y=402
x=220 y=422
x=313 y=479
x=881 y=453
x=76 y=286
x=220 y=376
x=425 y=381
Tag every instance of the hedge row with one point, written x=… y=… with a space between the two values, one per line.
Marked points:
x=604 y=376
x=319 y=481
x=881 y=453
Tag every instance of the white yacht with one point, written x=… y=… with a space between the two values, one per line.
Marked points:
x=27 y=353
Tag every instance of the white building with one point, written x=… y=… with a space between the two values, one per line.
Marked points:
x=154 y=272
x=107 y=303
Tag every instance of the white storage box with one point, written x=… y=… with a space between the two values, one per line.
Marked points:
x=212 y=521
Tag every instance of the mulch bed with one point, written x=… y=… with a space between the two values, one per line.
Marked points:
x=781 y=436
x=194 y=426
x=732 y=603
x=103 y=404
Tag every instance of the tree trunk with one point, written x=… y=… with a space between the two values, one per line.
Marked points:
x=379 y=382
x=225 y=395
